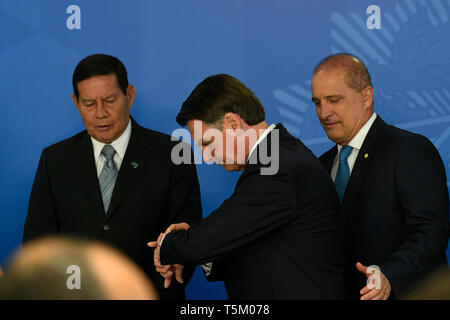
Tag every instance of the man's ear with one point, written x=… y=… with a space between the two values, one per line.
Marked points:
x=75 y=101
x=131 y=93
x=231 y=121
x=368 y=97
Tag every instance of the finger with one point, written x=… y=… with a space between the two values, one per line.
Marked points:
x=179 y=273
x=168 y=279
x=371 y=294
x=385 y=290
x=170 y=228
x=364 y=290
x=177 y=226
x=168 y=275
x=361 y=268
x=156 y=257
x=378 y=296
x=163 y=268
x=160 y=237
x=153 y=244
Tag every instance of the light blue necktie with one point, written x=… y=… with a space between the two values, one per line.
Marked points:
x=343 y=173
x=108 y=175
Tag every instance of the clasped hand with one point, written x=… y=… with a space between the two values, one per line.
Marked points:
x=378 y=286
x=167 y=271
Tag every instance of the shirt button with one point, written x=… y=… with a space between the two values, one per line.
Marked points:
x=106 y=227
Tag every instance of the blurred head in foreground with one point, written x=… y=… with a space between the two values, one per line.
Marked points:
x=62 y=268
x=435 y=286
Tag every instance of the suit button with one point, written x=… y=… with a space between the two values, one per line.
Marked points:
x=106 y=227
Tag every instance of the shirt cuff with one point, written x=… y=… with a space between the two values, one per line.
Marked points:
x=207 y=268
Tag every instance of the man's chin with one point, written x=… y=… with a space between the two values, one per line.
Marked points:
x=104 y=137
x=336 y=138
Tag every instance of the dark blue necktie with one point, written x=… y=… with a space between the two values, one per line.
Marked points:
x=343 y=173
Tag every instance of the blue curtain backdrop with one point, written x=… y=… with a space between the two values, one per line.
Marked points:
x=170 y=46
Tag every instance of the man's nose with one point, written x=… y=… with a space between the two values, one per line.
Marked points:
x=324 y=111
x=100 y=111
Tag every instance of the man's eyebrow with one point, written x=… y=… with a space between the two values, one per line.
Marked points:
x=87 y=100
x=334 y=96
x=110 y=96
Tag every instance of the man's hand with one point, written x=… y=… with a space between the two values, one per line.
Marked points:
x=177 y=226
x=168 y=271
x=378 y=286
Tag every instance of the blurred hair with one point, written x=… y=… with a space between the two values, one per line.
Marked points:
x=435 y=286
x=40 y=272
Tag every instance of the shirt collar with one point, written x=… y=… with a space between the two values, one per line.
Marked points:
x=358 y=139
x=120 y=144
x=261 y=138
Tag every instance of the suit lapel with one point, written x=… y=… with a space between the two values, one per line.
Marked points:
x=86 y=172
x=328 y=157
x=365 y=156
x=132 y=165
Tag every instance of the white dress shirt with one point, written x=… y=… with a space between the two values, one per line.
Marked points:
x=356 y=143
x=120 y=145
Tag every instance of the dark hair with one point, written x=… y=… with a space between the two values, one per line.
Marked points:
x=46 y=279
x=357 y=76
x=215 y=96
x=100 y=65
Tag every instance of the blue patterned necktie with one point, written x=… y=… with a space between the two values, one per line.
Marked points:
x=108 y=175
x=343 y=173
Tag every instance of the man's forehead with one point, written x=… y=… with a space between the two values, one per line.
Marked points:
x=99 y=82
x=330 y=72
x=334 y=79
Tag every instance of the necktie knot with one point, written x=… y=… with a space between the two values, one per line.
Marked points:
x=345 y=153
x=108 y=151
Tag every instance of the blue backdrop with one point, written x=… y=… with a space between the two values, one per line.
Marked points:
x=170 y=46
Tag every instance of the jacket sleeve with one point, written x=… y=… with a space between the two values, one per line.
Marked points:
x=259 y=205
x=41 y=218
x=423 y=197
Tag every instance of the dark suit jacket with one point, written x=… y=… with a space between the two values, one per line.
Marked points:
x=66 y=197
x=395 y=208
x=275 y=237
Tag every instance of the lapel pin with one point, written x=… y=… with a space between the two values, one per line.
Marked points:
x=134 y=164
x=366 y=156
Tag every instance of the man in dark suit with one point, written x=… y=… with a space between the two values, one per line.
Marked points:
x=391 y=182
x=275 y=237
x=116 y=181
